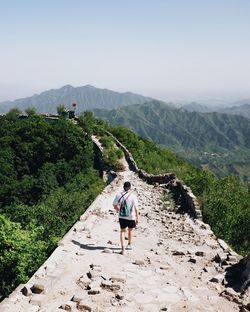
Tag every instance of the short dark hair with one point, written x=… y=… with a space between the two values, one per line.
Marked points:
x=127 y=185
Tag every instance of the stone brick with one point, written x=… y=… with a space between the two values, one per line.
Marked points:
x=65 y=307
x=217 y=279
x=200 y=253
x=110 y=285
x=83 y=282
x=210 y=269
x=38 y=300
x=220 y=257
x=106 y=284
x=83 y=306
x=26 y=291
x=139 y=262
x=164 y=267
x=231 y=295
x=93 y=274
x=205 y=226
x=94 y=291
x=223 y=245
x=94 y=284
x=232 y=259
x=118 y=278
x=38 y=288
x=76 y=299
x=178 y=253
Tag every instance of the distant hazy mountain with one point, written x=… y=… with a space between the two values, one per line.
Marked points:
x=196 y=107
x=86 y=97
x=240 y=102
x=237 y=109
x=220 y=141
x=243 y=110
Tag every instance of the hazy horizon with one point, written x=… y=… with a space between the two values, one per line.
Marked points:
x=170 y=50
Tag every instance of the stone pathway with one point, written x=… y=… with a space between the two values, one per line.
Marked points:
x=170 y=268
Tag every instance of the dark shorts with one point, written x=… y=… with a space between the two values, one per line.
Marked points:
x=127 y=223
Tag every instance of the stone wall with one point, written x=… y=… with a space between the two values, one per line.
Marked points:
x=182 y=194
x=188 y=203
x=107 y=173
x=244 y=266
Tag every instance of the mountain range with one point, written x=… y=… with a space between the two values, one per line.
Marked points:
x=86 y=97
x=89 y=97
x=239 y=108
x=219 y=141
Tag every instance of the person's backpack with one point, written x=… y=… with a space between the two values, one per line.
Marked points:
x=125 y=210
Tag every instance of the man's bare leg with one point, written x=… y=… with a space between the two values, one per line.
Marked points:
x=121 y=239
x=129 y=246
x=129 y=236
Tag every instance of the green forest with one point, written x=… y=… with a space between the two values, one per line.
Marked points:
x=47 y=180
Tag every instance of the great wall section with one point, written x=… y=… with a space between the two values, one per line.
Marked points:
x=176 y=264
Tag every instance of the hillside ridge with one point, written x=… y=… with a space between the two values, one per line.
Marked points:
x=217 y=141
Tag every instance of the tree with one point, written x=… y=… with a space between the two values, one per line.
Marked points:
x=30 y=111
x=20 y=252
x=226 y=209
x=13 y=114
x=87 y=122
x=61 y=109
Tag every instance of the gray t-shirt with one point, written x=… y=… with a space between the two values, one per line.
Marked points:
x=131 y=200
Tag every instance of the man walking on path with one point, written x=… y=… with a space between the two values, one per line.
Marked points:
x=126 y=203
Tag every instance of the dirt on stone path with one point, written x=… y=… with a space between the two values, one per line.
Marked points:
x=170 y=267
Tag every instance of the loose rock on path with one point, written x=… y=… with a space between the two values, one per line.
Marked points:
x=170 y=268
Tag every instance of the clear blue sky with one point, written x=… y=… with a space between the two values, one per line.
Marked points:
x=159 y=48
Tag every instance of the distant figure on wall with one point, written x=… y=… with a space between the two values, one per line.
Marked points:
x=126 y=203
x=71 y=114
x=72 y=111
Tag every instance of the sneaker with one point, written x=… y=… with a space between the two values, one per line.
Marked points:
x=122 y=252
